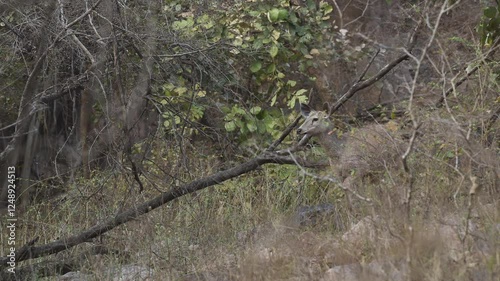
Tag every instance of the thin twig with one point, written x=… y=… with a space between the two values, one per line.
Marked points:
x=32 y=78
x=333 y=180
x=368 y=65
x=360 y=85
x=454 y=85
x=472 y=193
x=189 y=53
x=7 y=24
x=285 y=133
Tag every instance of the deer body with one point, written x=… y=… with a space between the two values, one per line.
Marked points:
x=364 y=151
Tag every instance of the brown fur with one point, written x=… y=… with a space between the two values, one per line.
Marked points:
x=366 y=150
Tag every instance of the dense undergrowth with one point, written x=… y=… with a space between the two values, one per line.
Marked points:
x=438 y=219
x=250 y=228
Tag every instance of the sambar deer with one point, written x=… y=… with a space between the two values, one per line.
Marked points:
x=353 y=155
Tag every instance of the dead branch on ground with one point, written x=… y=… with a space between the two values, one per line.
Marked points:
x=31 y=252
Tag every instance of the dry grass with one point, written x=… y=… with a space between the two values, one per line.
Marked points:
x=245 y=229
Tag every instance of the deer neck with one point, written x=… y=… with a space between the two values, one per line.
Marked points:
x=331 y=143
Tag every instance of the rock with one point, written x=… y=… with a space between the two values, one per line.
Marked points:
x=311 y=215
x=207 y=276
x=74 y=276
x=361 y=231
x=264 y=254
x=375 y=271
x=369 y=230
x=128 y=273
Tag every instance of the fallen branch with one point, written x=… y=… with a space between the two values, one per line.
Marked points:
x=56 y=265
x=32 y=252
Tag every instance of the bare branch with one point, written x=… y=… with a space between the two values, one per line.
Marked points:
x=344 y=187
x=368 y=66
x=467 y=74
x=22 y=126
x=189 y=53
x=360 y=85
x=11 y=28
x=66 y=243
x=285 y=133
x=339 y=11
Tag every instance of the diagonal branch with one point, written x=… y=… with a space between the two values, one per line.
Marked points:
x=31 y=252
x=358 y=86
x=491 y=51
x=362 y=84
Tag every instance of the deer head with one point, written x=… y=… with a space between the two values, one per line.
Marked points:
x=316 y=122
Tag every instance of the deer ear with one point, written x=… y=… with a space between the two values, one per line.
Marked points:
x=326 y=107
x=305 y=109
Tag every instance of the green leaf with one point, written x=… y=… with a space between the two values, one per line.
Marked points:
x=490 y=12
x=238 y=110
x=180 y=90
x=256 y=66
x=273 y=15
x=254 y=13
x=251 y=126
x=327 y=9
x=293 y=18
x=269 y=122
x=303 y=49
x=258 y=26
x=282 y=14
x=276 y=35
x=169 y=86
x=237 y=41
x=302 y=99
x=273 y=51
x=261 y=128
x=255 y=110
x=273 y=100
x=271 y=68
x=257 y=44
x=197 y=112
x=300 y=92
x=450 y=154
x=230 y=126
x=208 y=25
x=291 y=83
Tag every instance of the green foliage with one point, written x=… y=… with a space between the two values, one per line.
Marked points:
x=255 y=122
x=182 y=105
x=272 y=36
x=271 y=42
x=489 y=28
